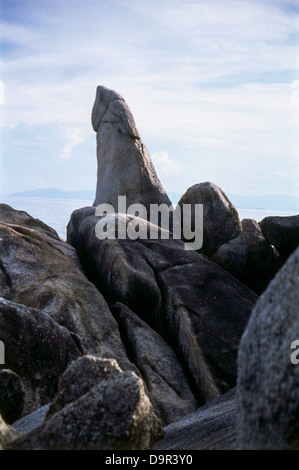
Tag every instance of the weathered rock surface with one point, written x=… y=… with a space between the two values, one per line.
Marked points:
x=197 y=307
x=121 y=152
x=9 y=215
x=98 y=406
x=282 y=232
x=38 y=350
x=261 y=258
x=249 y=257
x=43 y=272
x=220 y=218
x=210 y=427
x=232 y=256
x=12 y=395
x=268 y=381
x=7 y=433
x=166 y=382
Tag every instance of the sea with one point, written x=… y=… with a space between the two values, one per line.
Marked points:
x=56 y=212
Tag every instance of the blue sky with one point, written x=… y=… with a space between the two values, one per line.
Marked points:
x=213 y=86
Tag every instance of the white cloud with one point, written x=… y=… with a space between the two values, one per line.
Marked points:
x=165 y=166
x=208 y=75
x=73 y=136
x=2 y=92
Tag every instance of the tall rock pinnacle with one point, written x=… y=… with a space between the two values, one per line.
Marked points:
x=124 y=164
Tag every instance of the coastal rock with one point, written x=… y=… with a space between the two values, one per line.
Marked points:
x=107 y=409
x=260 y=257
x=7 y=433
x=12 y=395
x=9 y=215
x=268 y=370
x=91 y=371
x=38 y=350
x=249 y=257
x=232 y=256
x=197 y=307
x=121 y=152
x=210 y=427
x=220 y=218
x=166 y=382
x=43 y=272
x=282 y=232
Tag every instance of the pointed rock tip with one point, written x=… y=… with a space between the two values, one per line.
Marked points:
x=103 y=97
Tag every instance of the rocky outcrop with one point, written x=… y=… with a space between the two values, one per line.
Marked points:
x=38 y=350
x=124 y=164
x=211 y=427
x=198 y=308
x=251 y=252
x=12 y=395
x=220 y=218
x=127 y=327
x=261 y=257
x=268 y=370
x=106 y=409
x=158 y=364
x=42 y=272
x=11 y=216
x=232 y=256
x=249 y=257
x=282 y=232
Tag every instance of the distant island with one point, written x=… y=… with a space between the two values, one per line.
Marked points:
x=56 y=194
x=264 y=202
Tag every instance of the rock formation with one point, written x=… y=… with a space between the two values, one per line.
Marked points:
x=42 y=272
x=198 y=308
x=268 y=380
x=249 y=257
x=220 y=218
x=124 y=164
x=261 y=257
x=107 y=409
x=49 y=293
x=110 y=338
x=210 y=427
x=158 y=364
x=282 y=232
x=12 y=395
x=38 y=350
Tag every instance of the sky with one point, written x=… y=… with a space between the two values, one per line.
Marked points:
x=213 y=86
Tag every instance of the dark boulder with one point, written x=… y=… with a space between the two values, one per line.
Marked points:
x=210 y=427
x=167 y=385
x=268 y=370
x=220 y=218
x=38 y=350
x=282 y=233
x=98 y=407
x=232 y=256
x=12 y=395
x=197 y=307
x=42 y=272
x=261 y=257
